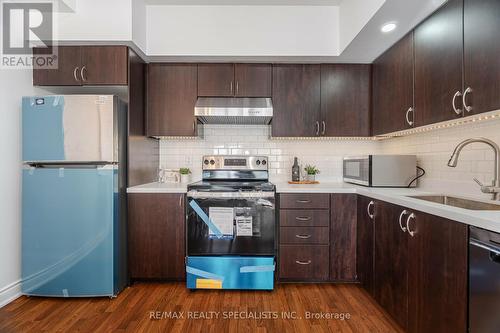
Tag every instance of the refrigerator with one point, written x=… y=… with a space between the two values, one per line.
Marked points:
x=74 y=195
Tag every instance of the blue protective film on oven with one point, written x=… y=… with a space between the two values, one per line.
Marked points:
x=255 y=269
x=204 y=217
x=203 y=274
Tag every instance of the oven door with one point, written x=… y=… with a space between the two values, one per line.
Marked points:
x=230 y=223
x=357 y=170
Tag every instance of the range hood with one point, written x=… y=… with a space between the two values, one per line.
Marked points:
x=234 y=110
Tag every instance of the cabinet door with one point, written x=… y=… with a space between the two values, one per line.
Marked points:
x=437 y=275
x=216 y=80
x=482 y=54
x=345 y=100
x=172 y=94
x=393 y=88
x=438 y=65
x=68 y=68
x=104 y=65
x=156 y=236
x=296 y=100
x=391 y=258
x=343 y=237
x=253 y=80
x=364 y=243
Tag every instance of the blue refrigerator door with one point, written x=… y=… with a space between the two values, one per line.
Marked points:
x=69 y=219
x=70 y=128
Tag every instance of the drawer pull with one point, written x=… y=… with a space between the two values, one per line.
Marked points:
x=303 y=218
x=303 y=262
x=303 y=236
x=303 y=201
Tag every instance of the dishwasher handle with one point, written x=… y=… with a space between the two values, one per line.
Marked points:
x=494 y=250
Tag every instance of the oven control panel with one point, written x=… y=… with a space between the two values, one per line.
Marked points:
x=234 y=162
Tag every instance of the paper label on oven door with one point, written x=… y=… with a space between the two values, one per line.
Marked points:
x=223 y=218
x=244 y=226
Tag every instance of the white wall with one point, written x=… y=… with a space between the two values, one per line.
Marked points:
x=242 y=30
x=139 y=35
x=13 y=85
x=96 y=20
x=353 y=16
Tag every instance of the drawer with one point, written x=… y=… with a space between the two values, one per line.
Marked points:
x=304 y=218
x=305 y=201
x=304 y=262
x=304 y=235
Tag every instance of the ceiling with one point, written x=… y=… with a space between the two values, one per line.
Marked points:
x=245 y=2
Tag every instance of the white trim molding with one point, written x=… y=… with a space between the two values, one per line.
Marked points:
x=10 y=293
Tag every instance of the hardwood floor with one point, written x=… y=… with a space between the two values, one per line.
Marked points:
x=135 y=308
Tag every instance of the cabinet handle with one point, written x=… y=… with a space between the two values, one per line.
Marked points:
x=303 y=236
x=457 y=94
x=303 y=262
x=231 y=87
x=324 y=127
x=410 y=122
x=194 y=125
x=237 y=87
x=317 y=128
x=83 y=73
x=468 y=108
x=403 y=213
x=75 y=71
x=411 y=217
x=303 y=201
x=303 y=218
x=370 y=214
x=180 y=201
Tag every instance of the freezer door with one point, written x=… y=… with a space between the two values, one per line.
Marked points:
x=69 y=219
x=70 y=128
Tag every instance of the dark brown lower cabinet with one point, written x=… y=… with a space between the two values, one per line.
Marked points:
x=156 y=236
x=390 y=283
x=364 y=243
x=304 y=262
x=343 y=214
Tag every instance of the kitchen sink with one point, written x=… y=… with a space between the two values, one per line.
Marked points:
x=458 y=202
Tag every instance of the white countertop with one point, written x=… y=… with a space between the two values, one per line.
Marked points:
x=484 y=219
x=158 y=188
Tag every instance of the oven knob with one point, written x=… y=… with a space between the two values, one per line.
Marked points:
x=264 y=162
x=257 y=162
x=206 y=162
x=212 y=162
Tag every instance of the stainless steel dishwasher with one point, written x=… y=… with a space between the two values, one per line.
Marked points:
x=484 y=281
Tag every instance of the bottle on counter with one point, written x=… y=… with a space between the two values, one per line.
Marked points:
x=295 y=170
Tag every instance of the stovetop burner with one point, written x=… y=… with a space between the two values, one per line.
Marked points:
x=231 y=186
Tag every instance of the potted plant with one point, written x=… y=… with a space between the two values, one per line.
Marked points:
x=311 y=172
x=185 y=175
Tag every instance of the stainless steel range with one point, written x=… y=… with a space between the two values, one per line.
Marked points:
x=231 y=225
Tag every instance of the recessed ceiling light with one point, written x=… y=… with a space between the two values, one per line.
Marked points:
x=388 y=27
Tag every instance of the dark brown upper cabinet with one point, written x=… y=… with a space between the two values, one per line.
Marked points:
x=171 y=97
x=85 y=65
x=438 y=65
x=393 y=108
x=481 y=55
x=345 y=100
x=239 y=80
x=296 y=100
x=253 y=80
x=216 y=80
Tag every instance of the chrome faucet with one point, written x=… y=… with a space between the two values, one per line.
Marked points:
x=494 y=189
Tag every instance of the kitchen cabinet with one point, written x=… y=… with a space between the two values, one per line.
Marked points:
x=345 y=100
x=390 y=283
x=481 y=55
x=238 y=80
x=300 y=263
x=438 y=65
x=365 y=241
x=393 y=88
x=171 y=97
x=85 y=65
x=156 y=233
x=343 y=212
x=296 y=100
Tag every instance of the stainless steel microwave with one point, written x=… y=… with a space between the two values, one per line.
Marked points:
x=381 y=170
